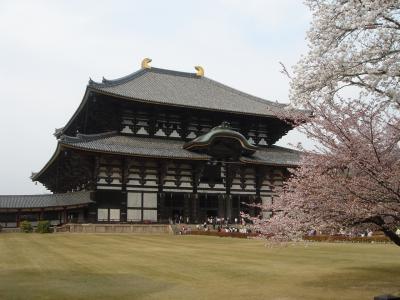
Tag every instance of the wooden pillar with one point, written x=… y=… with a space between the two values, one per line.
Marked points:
x=195 y=204
x=186 y=208
x=221 y=206
x=41 y=214
x=161 y=217
x=17 y=217
x=65 y=215
x=228 y=205
x=124 y=200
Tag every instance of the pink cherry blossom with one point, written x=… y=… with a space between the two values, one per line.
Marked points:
x=350 y=81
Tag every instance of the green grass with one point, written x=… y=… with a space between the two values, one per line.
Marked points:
x=89 y=266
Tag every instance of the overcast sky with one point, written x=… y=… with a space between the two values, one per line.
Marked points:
x=49 y=49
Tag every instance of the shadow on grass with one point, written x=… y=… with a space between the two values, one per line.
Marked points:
x=382 y=279
x=77 y=285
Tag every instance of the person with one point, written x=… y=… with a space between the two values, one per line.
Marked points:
x=398 y=231
x=187 y=220
x=236 y=220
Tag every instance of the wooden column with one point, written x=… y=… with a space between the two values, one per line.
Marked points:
x=124 y=180
x=186 y=209
x=17 y=217
x=195 y=208
x=221 y=206
x=228 y=206
x=65 y=215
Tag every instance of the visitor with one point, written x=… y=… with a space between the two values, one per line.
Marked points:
x=312 y=232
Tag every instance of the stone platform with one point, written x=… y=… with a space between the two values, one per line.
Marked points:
x=116 y=228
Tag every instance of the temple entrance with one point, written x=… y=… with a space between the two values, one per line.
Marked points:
x=209 y=206
x=199 y=208
x=177 y=216
x=213 y=213
x=172 y=208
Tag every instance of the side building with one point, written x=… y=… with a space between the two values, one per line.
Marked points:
x=158 y=145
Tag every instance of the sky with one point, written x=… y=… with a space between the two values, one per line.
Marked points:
x=49 y=49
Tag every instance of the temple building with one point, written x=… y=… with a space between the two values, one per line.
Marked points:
x=158 y=145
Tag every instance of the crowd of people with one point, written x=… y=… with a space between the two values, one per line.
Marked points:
x=343 y=232
x=213 y=224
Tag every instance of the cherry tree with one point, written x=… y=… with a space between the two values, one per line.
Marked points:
x=349 y=79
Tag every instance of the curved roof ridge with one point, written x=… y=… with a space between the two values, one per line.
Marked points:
x=285 y=148
x=87 y=137
x=112 y=82
x=95 y=136
x=45 y=195
x=222 y=131
x=173 y=72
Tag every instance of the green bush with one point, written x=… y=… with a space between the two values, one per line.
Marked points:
x=26 y=226
x=343 y=238
x=43 y=227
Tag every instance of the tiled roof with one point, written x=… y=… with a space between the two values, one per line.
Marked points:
x=222 y=131
x=114 y=143
x=45 y=200
x=186 y=90
x=131 y=145
x=275 y=155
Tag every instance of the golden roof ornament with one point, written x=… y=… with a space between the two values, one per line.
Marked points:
x=200 y=71
x=145 y=63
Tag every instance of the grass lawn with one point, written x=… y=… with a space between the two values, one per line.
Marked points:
x=89 y=266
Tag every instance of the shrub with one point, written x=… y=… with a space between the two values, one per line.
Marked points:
x=26 y=226
x=342 y=238
x=43 y=227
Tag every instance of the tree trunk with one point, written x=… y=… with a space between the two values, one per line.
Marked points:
x=392 y=236
x=378 y=220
